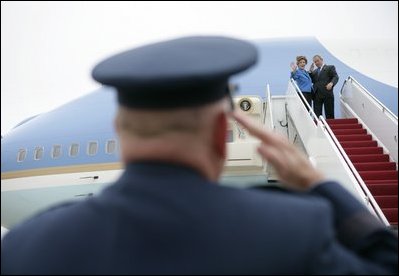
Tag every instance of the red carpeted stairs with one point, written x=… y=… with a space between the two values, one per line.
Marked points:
x=380 y=175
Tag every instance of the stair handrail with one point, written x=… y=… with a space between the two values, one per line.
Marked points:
x=369 y=197
x=305 y=102
x=269 y=102
x=383 y=107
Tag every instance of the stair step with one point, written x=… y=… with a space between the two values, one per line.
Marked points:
x=349 y=131
x=391 y=214
x=358 y=144
x=342 y=121
x=390 y=201
x=345 y=126
x=354 y=137
x=364 y=150
x=355 y=158
x=375 y=166
x=383 y=189
x=382 y=175
x=379 y=181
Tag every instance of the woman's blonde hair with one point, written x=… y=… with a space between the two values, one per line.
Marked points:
x=299 y=58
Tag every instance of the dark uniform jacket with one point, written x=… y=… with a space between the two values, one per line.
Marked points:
x=167 y=219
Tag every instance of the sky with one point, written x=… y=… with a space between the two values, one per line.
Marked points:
x=49 y=48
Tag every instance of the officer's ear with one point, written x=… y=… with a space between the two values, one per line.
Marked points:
x=116 y=124
x=219 y=135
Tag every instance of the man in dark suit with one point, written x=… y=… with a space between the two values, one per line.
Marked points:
x=324 y=79
x=168 y=215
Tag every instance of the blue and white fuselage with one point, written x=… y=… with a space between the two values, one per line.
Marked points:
x=73 y=151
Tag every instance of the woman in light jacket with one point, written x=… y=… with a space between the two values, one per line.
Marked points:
x=302 y=78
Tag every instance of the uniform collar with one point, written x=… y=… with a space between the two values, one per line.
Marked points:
x=154 y=168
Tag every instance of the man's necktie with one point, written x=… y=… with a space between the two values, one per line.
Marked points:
x=318 y=71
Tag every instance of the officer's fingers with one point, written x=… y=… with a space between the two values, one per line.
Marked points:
x=284 y=158
x=272 y=155
x=255 y=129
x=252 y=128
x=283 y=164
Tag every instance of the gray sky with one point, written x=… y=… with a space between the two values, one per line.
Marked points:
x=49 y=48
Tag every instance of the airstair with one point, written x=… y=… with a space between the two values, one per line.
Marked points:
x=374 y=167
x=359 y=150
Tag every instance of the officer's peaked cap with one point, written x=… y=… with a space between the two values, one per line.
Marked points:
x=188 y=71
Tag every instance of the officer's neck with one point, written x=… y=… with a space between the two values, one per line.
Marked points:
x=177 y=150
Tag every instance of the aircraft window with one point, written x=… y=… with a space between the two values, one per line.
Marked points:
x=92 y=148
x=74 y=150
x=21 y=155
x=38 y=153
x=56 y=153
x=110 y=147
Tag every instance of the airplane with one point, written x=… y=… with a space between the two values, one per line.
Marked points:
x=72 y=153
